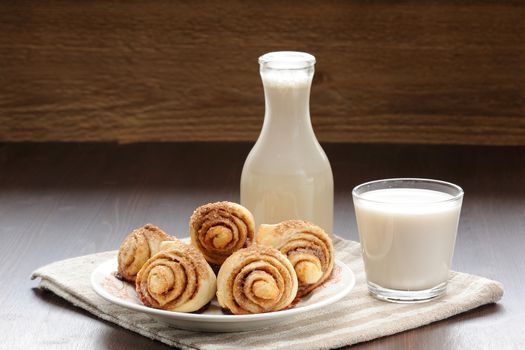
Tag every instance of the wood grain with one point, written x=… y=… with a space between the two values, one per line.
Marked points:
x=64 y=200
x=126 y=71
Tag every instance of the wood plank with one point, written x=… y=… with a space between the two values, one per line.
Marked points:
x=411 y=72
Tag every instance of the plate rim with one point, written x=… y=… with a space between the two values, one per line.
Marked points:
x=220 y=318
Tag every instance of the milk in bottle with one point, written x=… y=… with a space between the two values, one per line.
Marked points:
x=287 y=174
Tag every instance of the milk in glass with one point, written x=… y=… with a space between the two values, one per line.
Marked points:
x=407 y=236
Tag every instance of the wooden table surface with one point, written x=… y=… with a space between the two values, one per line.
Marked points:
x=64 y=200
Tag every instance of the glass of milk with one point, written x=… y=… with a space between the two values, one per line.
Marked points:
x=407 y=229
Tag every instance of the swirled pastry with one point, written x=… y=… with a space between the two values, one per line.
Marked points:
x=219 y=229
x=137 y=248
x=306 y=245
x=256 y=279
x=178 y=278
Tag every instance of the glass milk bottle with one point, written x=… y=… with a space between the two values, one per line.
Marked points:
x=287 y=174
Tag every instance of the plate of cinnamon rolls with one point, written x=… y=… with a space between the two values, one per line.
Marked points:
x=226 y=276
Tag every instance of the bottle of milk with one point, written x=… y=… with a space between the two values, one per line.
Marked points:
x=287 y=174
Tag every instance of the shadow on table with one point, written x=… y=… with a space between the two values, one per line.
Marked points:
x=211 y=165
x=165 y=166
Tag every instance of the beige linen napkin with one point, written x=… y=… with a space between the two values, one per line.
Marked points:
x=356 y=318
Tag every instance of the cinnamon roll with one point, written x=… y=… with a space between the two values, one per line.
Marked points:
x=178 y=278
x=137 y=248
x=306 y=245
x=256 y=279
x=219 y=229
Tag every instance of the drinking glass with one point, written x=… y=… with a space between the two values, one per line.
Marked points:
x=407 y=229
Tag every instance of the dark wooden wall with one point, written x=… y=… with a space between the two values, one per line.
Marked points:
x=388 y=71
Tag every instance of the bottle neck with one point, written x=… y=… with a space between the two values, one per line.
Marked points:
x=287 y=103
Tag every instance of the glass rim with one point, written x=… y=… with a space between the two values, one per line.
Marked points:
x=456 y=197
x=287 y=60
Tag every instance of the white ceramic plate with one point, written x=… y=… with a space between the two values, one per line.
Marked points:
x=213 y=319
